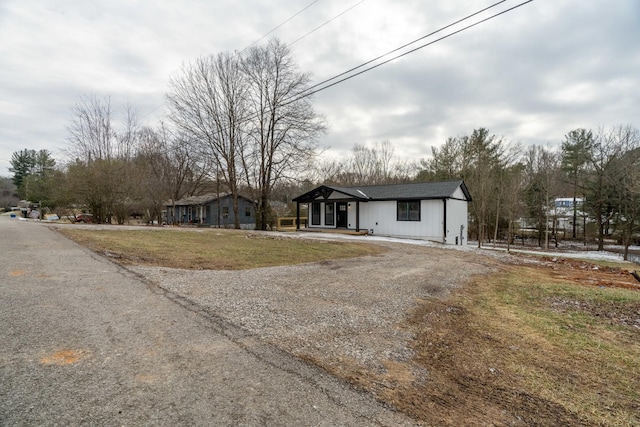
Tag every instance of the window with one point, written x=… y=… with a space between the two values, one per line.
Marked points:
x=328 y=214
x=225 y=211
x=409 y=210
x=315 y=213
x=247 y=211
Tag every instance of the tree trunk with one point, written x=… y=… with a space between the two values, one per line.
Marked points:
x=495 y=233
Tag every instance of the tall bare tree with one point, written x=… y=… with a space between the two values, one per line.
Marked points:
x=102 y=175
x=623 y=181
x=208 y=105
x=542 y=171
x=602 y=183
x=513 y=200
x=170 y=169
x=282 y=126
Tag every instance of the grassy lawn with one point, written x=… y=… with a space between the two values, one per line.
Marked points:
x=550 y=351
x=212 y=249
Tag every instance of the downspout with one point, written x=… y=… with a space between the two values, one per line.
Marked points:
x=357 y=216
x=444 y=222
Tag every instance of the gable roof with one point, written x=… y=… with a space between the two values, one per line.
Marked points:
x=416 y=190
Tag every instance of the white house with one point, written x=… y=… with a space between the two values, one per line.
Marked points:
x=434 y=211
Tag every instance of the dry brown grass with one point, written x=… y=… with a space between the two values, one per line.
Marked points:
x=212 y=249
x=522 y=348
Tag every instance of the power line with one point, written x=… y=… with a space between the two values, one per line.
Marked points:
x=320 y=26
x=277 y=27
x=261 y=38
x=311 y=92
x=308 y=92
x=407 y=44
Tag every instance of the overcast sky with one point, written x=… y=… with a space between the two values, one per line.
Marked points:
x=530 y=75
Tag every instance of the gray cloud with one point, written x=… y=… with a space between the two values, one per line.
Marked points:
x=530 y=75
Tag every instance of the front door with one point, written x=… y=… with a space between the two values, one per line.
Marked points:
x=341 y=215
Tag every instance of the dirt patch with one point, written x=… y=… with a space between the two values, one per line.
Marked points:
x=591 y=274
x=63 y=357
x=614 y=313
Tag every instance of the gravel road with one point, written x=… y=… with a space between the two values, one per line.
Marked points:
x=85 y=342
x=343 y=311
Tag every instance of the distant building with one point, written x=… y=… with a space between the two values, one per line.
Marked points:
x=215 y=210
x=562 y=212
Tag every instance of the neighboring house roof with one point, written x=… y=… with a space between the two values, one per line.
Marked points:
x=417 y=190
x=202 y=200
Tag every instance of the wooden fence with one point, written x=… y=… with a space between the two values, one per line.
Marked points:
x=288 y=223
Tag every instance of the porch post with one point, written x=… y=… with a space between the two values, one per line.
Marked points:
x=444 y=222
x=357 y=216
x=297 y=215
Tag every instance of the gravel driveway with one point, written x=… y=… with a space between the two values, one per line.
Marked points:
x=337 y=312
x=85 y=342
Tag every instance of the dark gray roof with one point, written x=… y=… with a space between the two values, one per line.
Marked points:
x=199 y=200
x=417 y=190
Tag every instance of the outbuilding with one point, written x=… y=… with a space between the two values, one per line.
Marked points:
x=435 y=211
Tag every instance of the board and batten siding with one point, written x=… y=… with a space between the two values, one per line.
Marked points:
x=382 y=218
x=375 y=209
x=457 y=222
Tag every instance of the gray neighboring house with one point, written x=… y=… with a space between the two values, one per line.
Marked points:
x=215 y=210
x=434 y=211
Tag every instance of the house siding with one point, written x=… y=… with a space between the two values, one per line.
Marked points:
x=381 y=218
x=378 y=210
x=457 y=222
x=207 y=213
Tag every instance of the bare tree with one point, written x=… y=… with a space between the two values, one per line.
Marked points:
x=625 y=179
x=601 y=183
x=91 y=135
x=170 y=170
x=207 y=100
x=542 y=171
x=282 y=127
x=102 y=175
x=367 y=165
x=513 y=201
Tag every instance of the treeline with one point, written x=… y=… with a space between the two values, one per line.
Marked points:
x=509 y=182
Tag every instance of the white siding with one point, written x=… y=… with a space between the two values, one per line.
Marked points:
x=381 y=217
x=458 y=194
x=457 y=218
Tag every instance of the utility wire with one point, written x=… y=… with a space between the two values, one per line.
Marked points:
x=307 y=93
x=320 y=26
x=304 y=94
x=405 y=45
x=277 y=27
x=261 y=38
